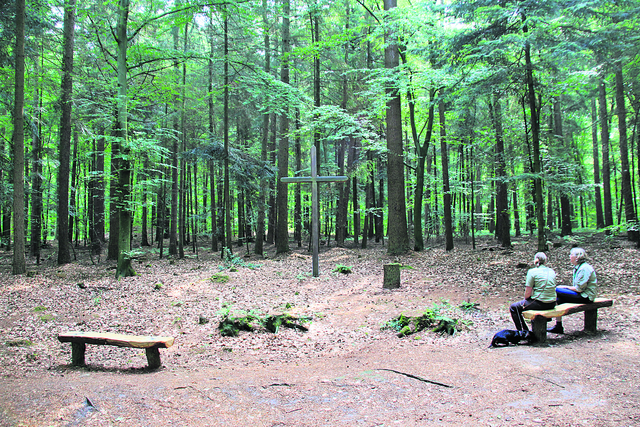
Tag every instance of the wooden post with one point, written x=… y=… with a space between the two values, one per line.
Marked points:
x=539 y=326
x=391 y=276
x=153 y=357
x=77 y=353
x=591 y=320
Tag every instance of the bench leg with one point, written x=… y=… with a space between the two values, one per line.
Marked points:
x=153 y=357
x=591 y=320
x=539 y=325
x=77 y=353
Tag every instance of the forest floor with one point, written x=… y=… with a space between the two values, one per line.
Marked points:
x=345 y=370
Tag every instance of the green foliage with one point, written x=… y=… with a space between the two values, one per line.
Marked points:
x=469 y=306
x=273 y=323
x=19 y=343
x=219 y=278
x=39 y=308
x=342 y=269
x=232 y=262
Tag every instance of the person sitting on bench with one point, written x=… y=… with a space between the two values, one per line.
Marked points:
x=584 y=287
x=539 y=291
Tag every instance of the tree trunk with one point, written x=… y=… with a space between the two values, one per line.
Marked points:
x=64 y=254
x=565 y=203
x=596 y=164
x=36 y=178
x=214 y=216
x=264 y=186
x=19 y=262
x=606 y=165
x=297 y=214
x=627 y=192
x=503 y=223
x=397 y=225
x=420 y=169
x=282 y=228
x=446 y=190
x=123 y=201
x=73 y=214
x=227 y=179
x=535 y=141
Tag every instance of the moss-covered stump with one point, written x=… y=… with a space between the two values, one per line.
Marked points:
x=273 y=323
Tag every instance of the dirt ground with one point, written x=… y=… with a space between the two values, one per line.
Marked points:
x=346 y=370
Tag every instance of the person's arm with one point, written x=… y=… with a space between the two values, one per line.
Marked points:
x=527 y=292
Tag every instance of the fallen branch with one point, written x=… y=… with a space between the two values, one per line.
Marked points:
x=415 y=377
x=544 y=379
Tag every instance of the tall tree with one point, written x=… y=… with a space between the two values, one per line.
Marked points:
x=282 y=229
x=64 y=254
x=596 y=164
x=627 y=189
x=123 y=201
x=606 y=165
x=503 y=217
x=397 y=217
x=19 y=262
x=446 y=188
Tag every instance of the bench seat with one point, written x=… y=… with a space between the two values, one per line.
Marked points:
x=79 y=340
x=539 y=318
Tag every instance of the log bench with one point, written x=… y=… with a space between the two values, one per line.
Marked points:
x=79 y=341
x=539 y=318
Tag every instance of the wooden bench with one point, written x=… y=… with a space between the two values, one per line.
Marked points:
x=79 y=341
x=539 y=318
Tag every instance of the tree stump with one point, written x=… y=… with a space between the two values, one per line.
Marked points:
x=391 y=276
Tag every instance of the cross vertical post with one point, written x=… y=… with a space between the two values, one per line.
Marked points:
x=315 y=208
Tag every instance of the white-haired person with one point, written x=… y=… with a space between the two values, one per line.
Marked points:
x=583 y=289
x=539 y=293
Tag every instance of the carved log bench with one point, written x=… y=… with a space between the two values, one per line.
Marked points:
x=539 y=318
x=79 y=341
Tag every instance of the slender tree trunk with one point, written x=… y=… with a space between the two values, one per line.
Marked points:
x=606 y=168
x=565 y=203
x=503 y=223
x=282 y=229
x=227 y=178
x=64 y=254
x=73 y=208
x=353 y=153
x=446 y=190
x=596 y=164
x=214 y=213
x=297 y=214
x=264 y=185
x=420 y=170
x=397 y=225
x=627 y=192
x=535 y=141
x=273 y=214
x=36 y=178
x=19 y=262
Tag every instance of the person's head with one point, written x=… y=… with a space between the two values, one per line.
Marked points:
x=540 y=258
x=577 y=256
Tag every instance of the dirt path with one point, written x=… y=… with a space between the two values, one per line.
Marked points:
x=345 y=370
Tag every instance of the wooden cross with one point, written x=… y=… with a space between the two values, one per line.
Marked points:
x=314 y=179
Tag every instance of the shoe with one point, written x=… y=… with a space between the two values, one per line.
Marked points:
x=557 y=329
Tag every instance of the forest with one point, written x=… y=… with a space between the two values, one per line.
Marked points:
x=126 y=124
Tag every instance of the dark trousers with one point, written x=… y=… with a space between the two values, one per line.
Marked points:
x=517 y=308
